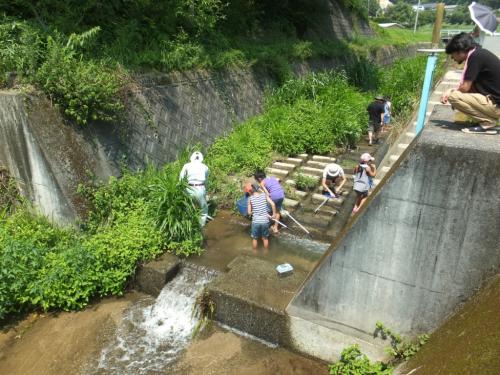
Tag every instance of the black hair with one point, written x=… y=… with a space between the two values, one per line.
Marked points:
x=259 y=175
x=462 y=42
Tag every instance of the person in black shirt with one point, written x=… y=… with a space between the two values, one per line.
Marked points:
x=376 y=110
x=478 y=94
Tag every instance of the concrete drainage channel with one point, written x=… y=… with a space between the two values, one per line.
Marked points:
x=248 y=294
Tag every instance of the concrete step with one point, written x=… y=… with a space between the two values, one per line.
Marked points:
x=277 y=172
x=403 y=146
x=316 y=164
x=332 y=202
x=300 y=194
x=302 y=156
x=296 y=161
x=311 y=170
x=281 y=165
x=290 y=183
x=324 y=159
x=385 y=169
x=321 y=219
x=393 y=158
x=291 y=203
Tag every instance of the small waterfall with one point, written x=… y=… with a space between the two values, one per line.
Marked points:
x=153 y=333
x=25 y=160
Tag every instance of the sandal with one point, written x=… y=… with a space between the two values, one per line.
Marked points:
x=479 y=130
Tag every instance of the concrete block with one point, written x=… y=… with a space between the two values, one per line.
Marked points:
x=251 y=297
x=332 y=202
x=286 y=166
x=290 y=203
x=290 y=183
x=303 y=156
x=300 y=194
x=325 y=159
x=310 y=170
x=277 y=172
x=403 y=146
x=316 y=164
x=152 y=276
x=296 y=161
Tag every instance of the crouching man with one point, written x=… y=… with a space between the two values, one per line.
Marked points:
x=478 y=94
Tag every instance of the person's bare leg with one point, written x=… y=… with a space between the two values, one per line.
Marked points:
x=266 y=242
x=370 y=137
x=276 y=225
x=254 y=243
x=362 y=201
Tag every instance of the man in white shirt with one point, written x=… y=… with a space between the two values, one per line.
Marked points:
x=196 y=174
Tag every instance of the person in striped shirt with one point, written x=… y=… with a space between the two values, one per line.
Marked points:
x=257 y=208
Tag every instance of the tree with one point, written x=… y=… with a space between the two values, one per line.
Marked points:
x=401 y=13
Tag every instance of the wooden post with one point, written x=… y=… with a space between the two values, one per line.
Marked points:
x=436 y=31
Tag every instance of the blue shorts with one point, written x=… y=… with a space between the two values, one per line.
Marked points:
x=279 y=203
x=260 y=230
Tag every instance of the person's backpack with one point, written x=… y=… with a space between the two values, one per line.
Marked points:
x=361 y=180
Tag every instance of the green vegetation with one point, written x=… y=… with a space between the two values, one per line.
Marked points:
x=320 y=113
x=305 y=183
x=131 y=220
x=83 y=53
x=400 y=349
x=353 y=362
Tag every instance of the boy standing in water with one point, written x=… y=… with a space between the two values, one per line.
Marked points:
x=257 y=207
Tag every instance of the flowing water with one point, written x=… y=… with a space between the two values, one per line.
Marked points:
x=25 y=161
x=154 y=332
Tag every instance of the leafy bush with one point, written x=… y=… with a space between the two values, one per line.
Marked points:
x=176 y=212
x=353 y=362
x=305 y=183
x=403 y=82
x=86 y=90
x=20 y=49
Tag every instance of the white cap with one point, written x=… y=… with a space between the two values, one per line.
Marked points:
x=333 y=170
x=366 y=157
x=197 y=156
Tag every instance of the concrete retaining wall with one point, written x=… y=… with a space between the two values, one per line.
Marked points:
x=425 y=243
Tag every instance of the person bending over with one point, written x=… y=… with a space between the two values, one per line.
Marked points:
x=333 y=174
x=273 y=190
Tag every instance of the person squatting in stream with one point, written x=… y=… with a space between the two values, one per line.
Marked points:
x=196 y=174
x=333 y=174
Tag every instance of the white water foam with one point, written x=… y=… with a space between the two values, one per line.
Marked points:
x=152 y=335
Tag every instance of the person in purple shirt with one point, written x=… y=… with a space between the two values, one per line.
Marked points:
x=273 y=190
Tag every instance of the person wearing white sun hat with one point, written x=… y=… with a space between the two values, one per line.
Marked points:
x=196 y=174
x=333 y=174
